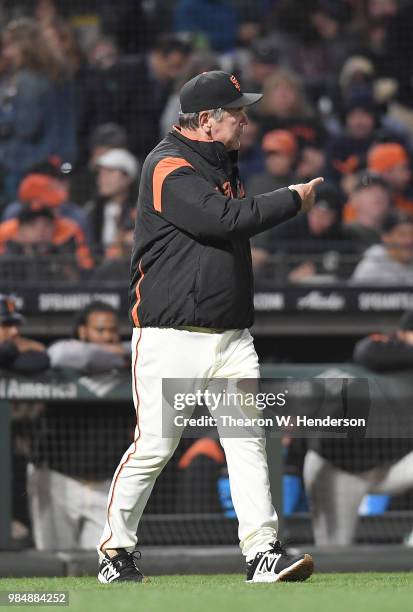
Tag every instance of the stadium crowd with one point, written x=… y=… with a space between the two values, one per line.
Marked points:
x=87 y=89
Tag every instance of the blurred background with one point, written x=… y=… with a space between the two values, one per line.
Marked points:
x=86 y=90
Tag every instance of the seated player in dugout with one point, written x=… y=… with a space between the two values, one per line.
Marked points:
x=18 y=353
x=96 y=345
x=388 y=352
x=77 y=445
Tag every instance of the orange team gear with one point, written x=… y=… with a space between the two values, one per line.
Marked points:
x=204 y=446
x=400 y=202
x=64 y=230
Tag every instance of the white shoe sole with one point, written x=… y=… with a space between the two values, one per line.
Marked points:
x=297 y=572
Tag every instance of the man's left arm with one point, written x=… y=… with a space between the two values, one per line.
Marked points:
x=188 y=201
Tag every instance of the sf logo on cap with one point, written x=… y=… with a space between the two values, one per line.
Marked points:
x=234 y=81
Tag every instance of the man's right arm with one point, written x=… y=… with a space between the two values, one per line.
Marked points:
x=188 y=201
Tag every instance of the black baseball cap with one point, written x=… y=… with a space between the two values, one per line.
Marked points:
x=214 y=89
x=8 y=313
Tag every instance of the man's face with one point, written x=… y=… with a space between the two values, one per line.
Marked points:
x=37 y=232
x=100 y=328
x=260 y=71
x=8 y=332
x=320 y=220
x=278 y=163
x=311 y=163
x=169 y=66
x=372 y=204
x=360 y=123
x=112 y=182
x=399 y=242
x=228 y=129
x=399 y=176
x=283 y=99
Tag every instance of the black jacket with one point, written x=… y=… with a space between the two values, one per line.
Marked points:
x=25 y=363
x=384 y=353
x=191 y=261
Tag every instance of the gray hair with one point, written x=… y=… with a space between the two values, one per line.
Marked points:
x=190 y=121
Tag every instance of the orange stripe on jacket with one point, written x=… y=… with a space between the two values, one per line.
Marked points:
x=135 y=442
x=135 y=316
x=162 y=169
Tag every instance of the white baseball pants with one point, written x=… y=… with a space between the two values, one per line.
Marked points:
x=335 y=495
x=172 y=353
x=66 y=513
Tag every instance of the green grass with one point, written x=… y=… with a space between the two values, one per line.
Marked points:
x=228 y=593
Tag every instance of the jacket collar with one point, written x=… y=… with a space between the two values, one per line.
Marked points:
x=212 y=151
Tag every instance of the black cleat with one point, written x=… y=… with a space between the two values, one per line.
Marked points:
x=120 y=568
x=277 y=565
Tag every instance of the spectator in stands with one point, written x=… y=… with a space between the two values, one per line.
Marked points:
x=280 y=150
x=116 y=265
x=135 y=24
x=311 y=162
x=134 y=91
x=40 y=230
x=156 y=73
x=96 y=346
x=391 y=161
x=201 y=61
x=284 y=106
x=358 y=77
x=346 y=151
x=105 y=137
x=322 y=43
x=69 y=88
x=18 y=353
x=35 y=251
x=370 y=203
x=43 y=177
x=108 y=79
x=117 y=170
x=75 y=448
x=388 y=352
x=28 y=119
x=313 y=237
x=391 y=262
x=250 y=155
x=264 y=61
x=214 y=20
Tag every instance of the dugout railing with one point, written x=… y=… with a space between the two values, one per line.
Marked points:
x=65 y=388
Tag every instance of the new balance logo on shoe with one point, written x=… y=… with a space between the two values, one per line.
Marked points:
x=108 y=573
x=268 y=563
x=120 y=568
x=276 y=564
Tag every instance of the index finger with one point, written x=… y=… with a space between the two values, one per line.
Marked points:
x=316 y=181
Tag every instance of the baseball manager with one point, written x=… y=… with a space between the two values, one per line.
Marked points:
x=191 y=304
